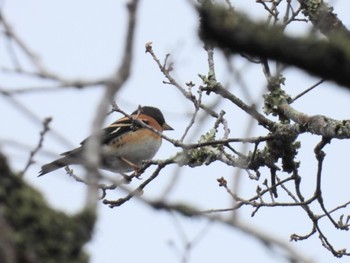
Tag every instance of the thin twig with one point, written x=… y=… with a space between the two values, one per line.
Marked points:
x=307 y=90
x=30 y=161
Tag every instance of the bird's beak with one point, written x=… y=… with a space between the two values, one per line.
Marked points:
x=167 y=127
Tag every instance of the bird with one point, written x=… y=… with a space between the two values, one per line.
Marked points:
x=125 y=143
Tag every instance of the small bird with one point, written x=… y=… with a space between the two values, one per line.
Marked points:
x=124 y=143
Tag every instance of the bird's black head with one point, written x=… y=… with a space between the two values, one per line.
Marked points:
x=155 y=113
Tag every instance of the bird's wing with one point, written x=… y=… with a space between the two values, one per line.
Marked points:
x=116 y=129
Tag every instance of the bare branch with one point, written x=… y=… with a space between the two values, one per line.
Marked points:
x=30 y=161
x=113 y=86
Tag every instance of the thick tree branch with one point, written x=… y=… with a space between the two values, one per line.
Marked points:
x=322 y=17
x=35 y=232
x=235 y=33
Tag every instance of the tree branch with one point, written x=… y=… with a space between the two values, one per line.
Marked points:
x=235 y=33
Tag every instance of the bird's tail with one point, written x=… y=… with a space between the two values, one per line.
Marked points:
x=59 y=163
x=70 y=157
